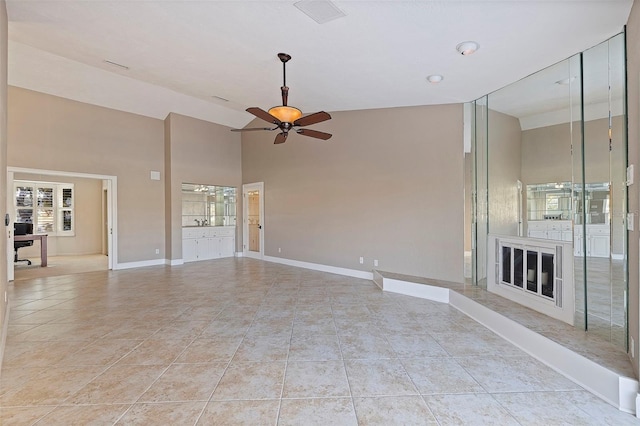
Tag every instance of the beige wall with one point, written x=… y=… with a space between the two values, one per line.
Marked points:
x=88 y=219
x=546 y=158
x=504 y=173
x=546 y=152
x=387 y=186
x=633 y=111
x=64 y=135
x=3 y=168
x=197 y=152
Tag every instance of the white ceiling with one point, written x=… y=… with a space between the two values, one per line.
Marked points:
x=180 y=53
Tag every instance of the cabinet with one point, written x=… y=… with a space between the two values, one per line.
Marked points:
x=559 y=230
x=598 y=241
x=208 y=242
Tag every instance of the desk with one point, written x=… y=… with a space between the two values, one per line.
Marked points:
x=43 y=245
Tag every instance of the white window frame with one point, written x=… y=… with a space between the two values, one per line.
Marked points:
x=58 y=205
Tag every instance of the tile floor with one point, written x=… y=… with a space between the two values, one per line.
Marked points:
x=240 y=341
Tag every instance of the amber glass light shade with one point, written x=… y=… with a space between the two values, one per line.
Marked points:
x=286 y=114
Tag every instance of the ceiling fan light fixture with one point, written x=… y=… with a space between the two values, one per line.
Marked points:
x=467 y=48
x=286 y=114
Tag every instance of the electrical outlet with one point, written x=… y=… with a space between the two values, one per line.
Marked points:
x=633 y=348
x=361 y=260
x=279 y=250
x=157 y=251
x=5 y=297
x=375 y=262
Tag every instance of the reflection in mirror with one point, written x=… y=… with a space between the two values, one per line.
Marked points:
x=605 y=207
x=480 y=224
x=208 y=205
x=560 y=136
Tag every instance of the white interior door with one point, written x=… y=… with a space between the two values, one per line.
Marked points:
x=253 y=220
x=9 y=228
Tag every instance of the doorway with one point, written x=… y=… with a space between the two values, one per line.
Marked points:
x=253 y=229
x=109 y=192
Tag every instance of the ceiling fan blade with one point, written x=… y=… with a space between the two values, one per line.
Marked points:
x=253 y=129
x=264 y=115
x=314 y=133
x=281 y=137
x=314 y=118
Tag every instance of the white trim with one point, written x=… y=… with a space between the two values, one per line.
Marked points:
x=10 y=248
x=239 y=254
x=140 y=264
x=174 y=262
x=437 y=294
x=323 y=268
x=546 y=306
x=619 y=391
x=57 y=173
x=5 y=330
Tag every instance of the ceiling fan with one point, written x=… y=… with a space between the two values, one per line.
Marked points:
x=287 y=118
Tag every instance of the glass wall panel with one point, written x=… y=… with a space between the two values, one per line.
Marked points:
x=605 y=194
x=549 y=162
x=480 y=224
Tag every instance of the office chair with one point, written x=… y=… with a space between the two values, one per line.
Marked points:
x=22 y=229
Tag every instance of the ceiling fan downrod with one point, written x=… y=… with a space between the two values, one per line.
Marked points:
x=285 y=90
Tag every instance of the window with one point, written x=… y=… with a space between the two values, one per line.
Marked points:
x=49 y=206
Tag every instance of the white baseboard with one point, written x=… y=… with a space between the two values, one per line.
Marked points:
x=322 y=268
x=141 y=264
x=174 y=262
x=3 y=338
x=239 y=254
x=619 y=391
x=424 y=291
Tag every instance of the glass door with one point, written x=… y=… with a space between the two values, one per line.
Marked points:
x=253 y=232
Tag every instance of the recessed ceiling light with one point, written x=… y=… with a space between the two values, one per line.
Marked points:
x=435 y=78
x=115 y=64
x=467 y=48
x=565 y=81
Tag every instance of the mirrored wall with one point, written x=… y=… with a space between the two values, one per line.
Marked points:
x=208 y=205
x=549 y=163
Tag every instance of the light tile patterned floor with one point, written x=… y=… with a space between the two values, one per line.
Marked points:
x=240 y=341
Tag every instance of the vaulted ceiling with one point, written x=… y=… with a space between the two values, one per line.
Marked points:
x=183 y=55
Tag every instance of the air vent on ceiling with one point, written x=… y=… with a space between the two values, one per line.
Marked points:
x=321 y=11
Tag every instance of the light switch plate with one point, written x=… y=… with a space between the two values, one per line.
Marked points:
x=631 y=217
x=630 y=175
x=155 y=175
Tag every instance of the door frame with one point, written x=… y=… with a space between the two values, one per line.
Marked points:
x=109 y=182
x=245 y=222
